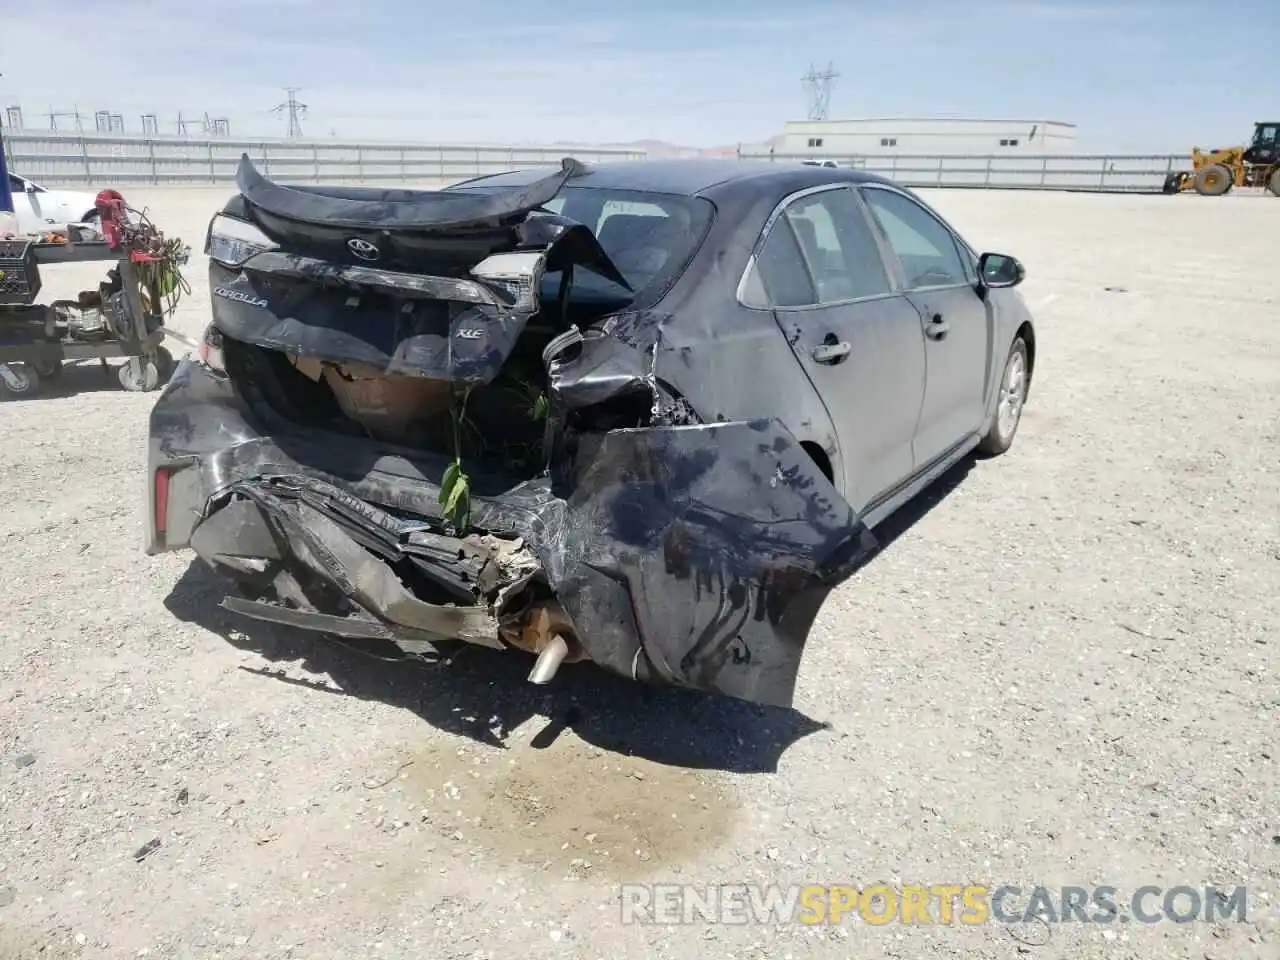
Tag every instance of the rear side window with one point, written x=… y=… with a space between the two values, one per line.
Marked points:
x=783 y=276
x=924 y=247
x=820 y=251
x=650 y=237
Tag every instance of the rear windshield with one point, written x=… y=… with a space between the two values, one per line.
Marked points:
x=650 y=237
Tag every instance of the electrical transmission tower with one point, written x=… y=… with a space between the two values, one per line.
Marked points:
x=295 y=110
x=150 y=125
x=215 y=126
x=819 y=86
x=74 y=114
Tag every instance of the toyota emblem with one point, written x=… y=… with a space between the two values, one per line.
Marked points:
x=363 y=249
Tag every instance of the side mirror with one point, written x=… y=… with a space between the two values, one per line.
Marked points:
x=1000 y=270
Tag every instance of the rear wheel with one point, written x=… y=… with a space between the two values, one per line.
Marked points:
x=1273 y=182
x=1011 y=395
x=1214 y=181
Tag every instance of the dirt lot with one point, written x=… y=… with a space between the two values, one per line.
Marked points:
x=1062 y=671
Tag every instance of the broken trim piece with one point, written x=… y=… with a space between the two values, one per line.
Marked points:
x=438 y=210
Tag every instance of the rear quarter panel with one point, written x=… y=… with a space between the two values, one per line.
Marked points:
x=729 y=361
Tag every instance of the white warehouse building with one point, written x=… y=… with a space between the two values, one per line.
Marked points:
x=928 y=137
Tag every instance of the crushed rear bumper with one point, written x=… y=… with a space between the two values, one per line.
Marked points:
x=689 y=555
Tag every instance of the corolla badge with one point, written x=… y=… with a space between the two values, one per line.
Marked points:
x=239 y=296
x=363 y=249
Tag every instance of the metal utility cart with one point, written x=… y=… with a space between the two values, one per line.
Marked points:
x=124 y=318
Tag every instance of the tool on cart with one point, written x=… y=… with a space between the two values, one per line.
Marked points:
x=124 y=317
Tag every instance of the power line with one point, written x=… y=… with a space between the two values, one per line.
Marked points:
x=819 y=87
x=296 y=111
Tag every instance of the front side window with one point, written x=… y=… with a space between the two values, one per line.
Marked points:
x=924 y=247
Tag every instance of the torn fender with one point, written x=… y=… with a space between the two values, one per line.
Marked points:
x=700 y=555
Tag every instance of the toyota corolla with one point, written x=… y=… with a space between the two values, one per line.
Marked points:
x=644 y=414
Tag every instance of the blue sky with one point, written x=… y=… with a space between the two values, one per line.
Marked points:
x=1134 y=75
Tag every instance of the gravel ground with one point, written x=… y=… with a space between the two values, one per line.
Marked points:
x=1062 y=671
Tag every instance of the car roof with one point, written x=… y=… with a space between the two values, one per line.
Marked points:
x=688 y=177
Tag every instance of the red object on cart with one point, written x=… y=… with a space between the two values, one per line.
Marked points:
x=113 y=216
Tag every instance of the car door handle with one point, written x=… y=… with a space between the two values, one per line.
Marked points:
x=831 y=352
x=936 y=328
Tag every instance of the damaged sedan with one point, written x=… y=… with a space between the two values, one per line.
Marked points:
x=643 y=414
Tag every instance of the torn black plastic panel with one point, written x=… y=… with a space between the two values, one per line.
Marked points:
x=397 y=209
x=725 y=538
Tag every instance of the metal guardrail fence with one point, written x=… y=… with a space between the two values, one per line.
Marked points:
x=53 y=158
x=100 y=160
x=1093 y=173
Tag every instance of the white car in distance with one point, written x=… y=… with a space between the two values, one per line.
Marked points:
x=40 y=209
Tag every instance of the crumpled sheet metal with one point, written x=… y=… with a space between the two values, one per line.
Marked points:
x=723 y=541
x=694 y=555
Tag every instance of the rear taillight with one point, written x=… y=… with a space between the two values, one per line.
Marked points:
x=210 y=351
x=160 y=502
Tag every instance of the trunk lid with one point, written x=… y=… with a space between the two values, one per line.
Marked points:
x=407 y=282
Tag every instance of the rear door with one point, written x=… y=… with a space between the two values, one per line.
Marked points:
x=819 y=267
x=941 y=284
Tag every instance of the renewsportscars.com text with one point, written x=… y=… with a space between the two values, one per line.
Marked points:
x=934 y=904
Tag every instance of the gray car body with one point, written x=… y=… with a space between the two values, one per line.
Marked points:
x=773 y=483
x=874 y=400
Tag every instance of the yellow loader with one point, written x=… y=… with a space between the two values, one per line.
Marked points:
x=1215 y=172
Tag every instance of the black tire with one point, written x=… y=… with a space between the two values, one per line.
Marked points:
x=1214 y=180
x=1000 y=438
x=165 y=364
x=1273 y=181
x=49 y=370
x=26 y=382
